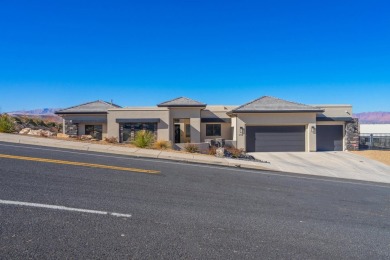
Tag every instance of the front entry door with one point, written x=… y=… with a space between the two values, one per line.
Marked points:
x=177 y=133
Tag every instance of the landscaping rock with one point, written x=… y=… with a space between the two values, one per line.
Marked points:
x=86 y=137
x=35 y=132
x=46 y=133
x=220 y=152
x=61 y=135
x=25 y=131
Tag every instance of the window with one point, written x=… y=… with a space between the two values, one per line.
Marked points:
x=128 y=130
x=188 y=130
x=94 y=130
x=213 y=129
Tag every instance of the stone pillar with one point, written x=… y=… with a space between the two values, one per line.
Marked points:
x=70 y=128
x=352 y=135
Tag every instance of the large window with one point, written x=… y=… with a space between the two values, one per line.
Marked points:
x=94 y=130
x=130 y=129
x=213 y=129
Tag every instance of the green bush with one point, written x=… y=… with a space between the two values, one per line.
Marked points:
x=143 y=139
x=6 y=124
x=191 y=148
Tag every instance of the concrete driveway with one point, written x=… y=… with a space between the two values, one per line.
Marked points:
x=331 y=164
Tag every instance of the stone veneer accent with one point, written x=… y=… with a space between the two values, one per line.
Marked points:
x=352 y=135
x=70 y=129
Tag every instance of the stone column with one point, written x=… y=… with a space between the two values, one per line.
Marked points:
x=352 y=135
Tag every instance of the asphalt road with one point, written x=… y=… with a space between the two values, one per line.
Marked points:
x=187 y=211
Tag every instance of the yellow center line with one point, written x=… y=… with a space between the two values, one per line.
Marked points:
x=93 y=165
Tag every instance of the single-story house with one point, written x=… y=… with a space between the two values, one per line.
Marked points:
x=266 y=124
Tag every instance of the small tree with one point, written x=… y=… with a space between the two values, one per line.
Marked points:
x=6 y=124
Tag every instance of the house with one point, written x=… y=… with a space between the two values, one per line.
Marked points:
x=86 y=119
x=265 y=124
x=374 y=136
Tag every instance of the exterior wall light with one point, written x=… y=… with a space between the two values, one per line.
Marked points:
x=313 y=129
x=242 y=130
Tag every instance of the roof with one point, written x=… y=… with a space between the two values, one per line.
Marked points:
x=374 y=128
x=267 y=104
x=181 y=102
x=94 y=107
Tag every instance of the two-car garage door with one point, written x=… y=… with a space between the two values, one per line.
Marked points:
x=275 y=138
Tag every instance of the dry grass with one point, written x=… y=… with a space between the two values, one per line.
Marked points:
x=378 y=155
x=162 y=145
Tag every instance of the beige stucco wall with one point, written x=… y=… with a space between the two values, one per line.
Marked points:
x=139 y=113
x=336 y=110
x=217 y=112
x=226 y=131
x=277 y=119
x=193 y=114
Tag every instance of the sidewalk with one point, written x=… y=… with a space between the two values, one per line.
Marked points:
x=343 y=165
x=135 y=152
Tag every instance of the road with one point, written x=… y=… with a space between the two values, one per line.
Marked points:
x=181 y=211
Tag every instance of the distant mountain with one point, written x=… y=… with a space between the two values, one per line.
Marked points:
x=35 y=112
x=373 y=117
x=46 y=114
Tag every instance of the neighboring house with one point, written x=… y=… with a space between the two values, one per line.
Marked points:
x=262 y=125
x=374 y=136
x=86 y=119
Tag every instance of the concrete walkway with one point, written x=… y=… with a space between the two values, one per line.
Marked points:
x=330 y=164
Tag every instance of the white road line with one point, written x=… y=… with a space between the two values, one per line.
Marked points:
x=38 y=205
x=262 y=172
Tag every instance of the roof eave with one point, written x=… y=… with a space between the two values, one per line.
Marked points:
x=181 y=105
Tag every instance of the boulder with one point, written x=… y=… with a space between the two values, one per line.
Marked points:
x=86 y=137
x=25 y=131
x=220 y=152
x=46 y=133
x=61 y=135
x=35 y=132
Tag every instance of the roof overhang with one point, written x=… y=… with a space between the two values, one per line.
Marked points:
x=327 y=119
x=215 y=120
x=138 y=120
x=187 y=106
x=82 y=121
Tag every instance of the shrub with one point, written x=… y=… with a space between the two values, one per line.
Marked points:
x=162 y=145
x=191 y=148
x=212 y=150
x=111 y=140
x=6 y=124
x=143 y=139
x=235 y=153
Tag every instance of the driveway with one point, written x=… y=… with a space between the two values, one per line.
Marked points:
x=331 y=164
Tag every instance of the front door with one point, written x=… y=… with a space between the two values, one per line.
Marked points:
x=177 y=133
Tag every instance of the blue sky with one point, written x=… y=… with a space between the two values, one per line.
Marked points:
x=62 y=53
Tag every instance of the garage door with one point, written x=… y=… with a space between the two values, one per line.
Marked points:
x=329 y=137
x=275 y=138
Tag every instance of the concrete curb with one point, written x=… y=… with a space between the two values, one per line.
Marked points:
x=133 y=152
